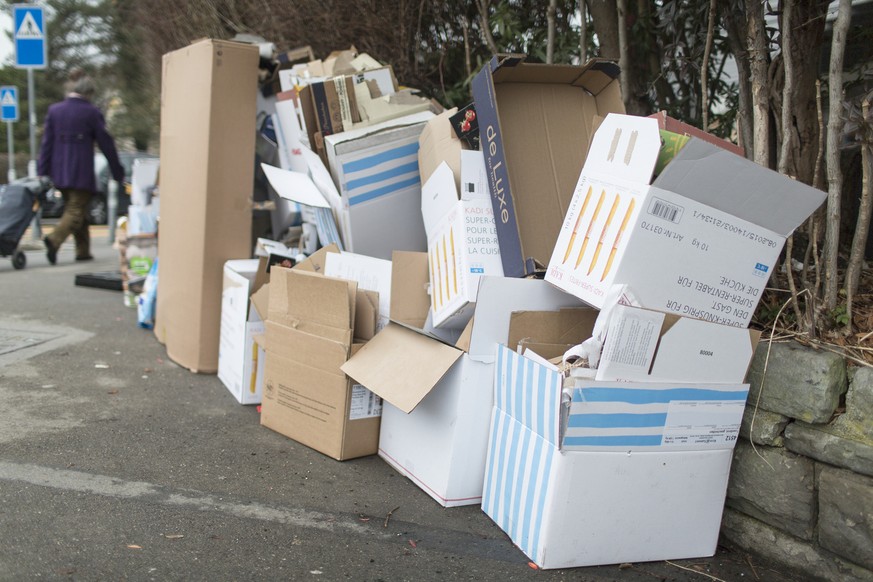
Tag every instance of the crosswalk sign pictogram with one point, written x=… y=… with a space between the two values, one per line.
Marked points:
x=28 y=23
x=8 y=103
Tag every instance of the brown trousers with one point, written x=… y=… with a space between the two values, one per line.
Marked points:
x=74 y=221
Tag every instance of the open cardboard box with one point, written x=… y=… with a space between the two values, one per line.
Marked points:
x=458 y=220
x=375 y=170
x=439 y=396
x=535 y=123
x=462 y=240
x=700 y=241
x=240 y=358
x=583 y=472
x=313 y=326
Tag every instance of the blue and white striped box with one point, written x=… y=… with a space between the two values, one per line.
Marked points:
x=611 y=502
x=376 y=172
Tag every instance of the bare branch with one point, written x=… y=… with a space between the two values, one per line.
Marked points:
x=835 y=177
x=704 y=66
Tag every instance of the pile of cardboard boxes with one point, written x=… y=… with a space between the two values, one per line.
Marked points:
x=536 y=304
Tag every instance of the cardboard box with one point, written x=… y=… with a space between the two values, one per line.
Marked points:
x=435 y=429
x=643 y=345
x=375 y=170
x=622 y=496
x=310 y=332
x=701 y=241
x=207 y=147
x=240 y=358
x=462 y=239
x=535 y=124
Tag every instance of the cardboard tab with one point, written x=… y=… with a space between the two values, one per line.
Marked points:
x=384 y=365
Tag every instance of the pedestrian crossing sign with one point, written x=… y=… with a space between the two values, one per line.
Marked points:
x=8 y=103
x=29 y=31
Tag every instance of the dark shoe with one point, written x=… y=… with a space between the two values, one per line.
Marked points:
x=51 y=251
x=85 y=258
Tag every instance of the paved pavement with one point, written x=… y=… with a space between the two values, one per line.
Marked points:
x=116 y=464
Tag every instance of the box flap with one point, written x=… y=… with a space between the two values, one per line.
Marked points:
x=370 y=273
x=438 y=196
x=438 y=143
x=626 y=146
x=498 y=298
x=722 y=180
x=401 y=366
x=312 y=302
x=295 y=186
x=366 y=314
x=566 y=327
x=409 y=279
x=261 y=301
x=316 y=261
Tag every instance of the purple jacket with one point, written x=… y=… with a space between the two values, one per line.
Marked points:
x=67 y=151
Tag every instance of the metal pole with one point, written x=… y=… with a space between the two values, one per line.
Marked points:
x=10 y=176
x=31 y=109
x=111 y=208
x=35 y=227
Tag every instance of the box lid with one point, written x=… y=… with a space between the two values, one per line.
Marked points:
x=727 y=182
x=313 y=303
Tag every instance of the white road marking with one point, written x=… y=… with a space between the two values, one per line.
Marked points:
x=106 y=486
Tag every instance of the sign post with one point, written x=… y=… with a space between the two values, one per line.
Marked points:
x=28 y=22
x=9 y=114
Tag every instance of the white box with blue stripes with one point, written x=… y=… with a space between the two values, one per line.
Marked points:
x=583 y=472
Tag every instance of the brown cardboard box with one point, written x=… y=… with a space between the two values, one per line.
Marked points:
x=535 y=123
x=207 y=148
x=312 y=324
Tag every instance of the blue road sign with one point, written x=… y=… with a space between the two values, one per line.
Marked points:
x=30 y=36
x=8 y=103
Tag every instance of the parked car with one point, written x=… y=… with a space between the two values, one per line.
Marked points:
x=98 y=209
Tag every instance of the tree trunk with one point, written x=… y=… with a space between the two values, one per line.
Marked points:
x=484 y=6
x=789 y=135
x=760 y=82
x=604 y=16
x=856 y=258
x=736 y=26
x=583 y=33
x=704 y=67
x=624 y=53
x=835 y=176
x=550 y=19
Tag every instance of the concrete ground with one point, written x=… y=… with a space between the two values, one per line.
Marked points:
x=116 y=464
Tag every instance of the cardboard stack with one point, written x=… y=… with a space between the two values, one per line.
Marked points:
x=655 y=241
x=629 y=460
x=363 y=129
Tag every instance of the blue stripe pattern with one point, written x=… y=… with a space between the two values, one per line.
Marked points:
x=617 y=420
x=382 y=176
x=380 y=158
x=664 y=396
x=521 y=455
x=630 y=440
x=385 y=190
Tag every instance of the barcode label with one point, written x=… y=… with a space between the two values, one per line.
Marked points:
x=364 y=403
x=665 y=210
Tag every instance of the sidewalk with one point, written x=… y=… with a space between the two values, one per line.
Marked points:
x=117 y=464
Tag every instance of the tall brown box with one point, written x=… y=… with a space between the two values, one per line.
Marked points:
x=207 y=171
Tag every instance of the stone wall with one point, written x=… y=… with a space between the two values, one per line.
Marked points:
x=801 y=486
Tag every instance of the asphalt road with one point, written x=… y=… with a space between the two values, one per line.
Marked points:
x=116 y=464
